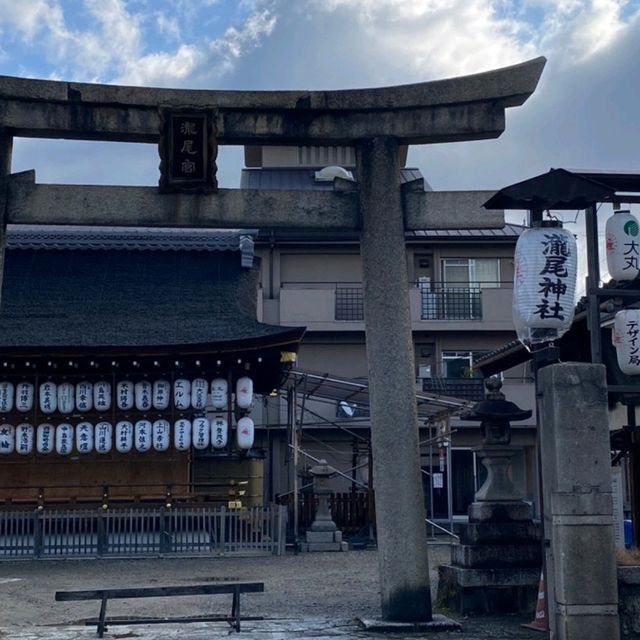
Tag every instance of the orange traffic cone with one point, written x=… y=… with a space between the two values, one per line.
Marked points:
x=540 y=620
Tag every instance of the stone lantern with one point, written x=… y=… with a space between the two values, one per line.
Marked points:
x=495 y=415
x=323 y=535
x=496 y=566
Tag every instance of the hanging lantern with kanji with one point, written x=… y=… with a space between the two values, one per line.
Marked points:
x=626 y=340
x=545 y=274
x=623 y=245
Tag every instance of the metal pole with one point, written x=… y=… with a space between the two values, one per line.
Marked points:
x=6 y=151
x=404 y=567
x=634 y=469
x=592 y=284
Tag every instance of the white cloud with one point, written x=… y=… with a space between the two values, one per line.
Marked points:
x=201 y=64
x=168 y=26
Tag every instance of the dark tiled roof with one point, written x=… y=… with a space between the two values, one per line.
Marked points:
x=509 y=233
x=124 y=238
x=110 y=298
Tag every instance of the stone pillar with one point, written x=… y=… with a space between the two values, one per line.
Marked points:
x=578 y=520
x=402 y=543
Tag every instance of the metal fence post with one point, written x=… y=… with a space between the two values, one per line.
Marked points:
x=222 y=538
x=165 y=534
x=38 y=538
x=101 y=541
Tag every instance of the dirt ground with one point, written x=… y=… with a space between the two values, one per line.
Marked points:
x=342 y=585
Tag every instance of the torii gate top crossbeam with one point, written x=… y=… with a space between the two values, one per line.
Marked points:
x=464 y=108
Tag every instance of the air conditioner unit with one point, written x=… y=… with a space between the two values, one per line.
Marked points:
x=424 y=371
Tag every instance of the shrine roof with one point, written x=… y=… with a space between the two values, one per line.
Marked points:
x=110 y=298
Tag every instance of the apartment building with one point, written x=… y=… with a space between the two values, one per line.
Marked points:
x=461 y=284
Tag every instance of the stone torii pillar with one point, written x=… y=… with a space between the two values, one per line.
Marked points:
x=376 y=122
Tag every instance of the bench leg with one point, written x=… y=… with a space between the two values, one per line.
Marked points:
x=102 y=627
x=235 y=609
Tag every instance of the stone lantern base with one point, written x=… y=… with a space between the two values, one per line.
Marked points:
x=324 y=541
x=496 y=566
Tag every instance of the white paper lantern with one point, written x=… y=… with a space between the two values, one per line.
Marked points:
x=45 y=438
x=6 y=396
x=64 y=439
x=84 y=437
x=623 y=246
x=84 y=396
x=199 y=389
x=102 y=396
x=544 y=284
x=219 y=393
x=182 y=394
x=201 y=433
x=103 y=437
x=124 y=436
x=626 y=340
x=25 y=393
x=244 y=392
x=219 y=432
x=125 y=395
x=48 y=397
x=245 y=433
x=161 y=394
x=66 y=397
x=7 y=439
x=143 y=438
x=24 y=438
x=182 y=435
x=161 y=435
x=144 y=393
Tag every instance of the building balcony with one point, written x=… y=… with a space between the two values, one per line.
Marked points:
x=339 y=306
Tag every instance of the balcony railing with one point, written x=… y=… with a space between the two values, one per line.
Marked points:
x=443 y=302
x=349 y=303
x=326 y=302
x=463 y=388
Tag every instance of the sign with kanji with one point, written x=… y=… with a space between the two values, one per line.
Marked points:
x=188 y=151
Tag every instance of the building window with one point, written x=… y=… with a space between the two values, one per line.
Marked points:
x=471 y=272
x=458 y=378
x=459 y=364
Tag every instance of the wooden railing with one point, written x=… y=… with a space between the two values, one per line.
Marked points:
x=353 y=512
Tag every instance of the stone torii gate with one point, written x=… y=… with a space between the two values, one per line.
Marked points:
x=376 y=122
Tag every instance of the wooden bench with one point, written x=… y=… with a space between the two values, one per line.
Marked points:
x=235 y=588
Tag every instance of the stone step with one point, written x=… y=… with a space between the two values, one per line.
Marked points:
x=496 y=556
x=497 y=533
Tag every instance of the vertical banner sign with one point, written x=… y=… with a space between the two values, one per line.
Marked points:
x=187 y=151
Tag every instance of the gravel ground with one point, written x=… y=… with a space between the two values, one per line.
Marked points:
x=336 y=586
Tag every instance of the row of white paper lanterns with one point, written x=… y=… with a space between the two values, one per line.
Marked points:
x=142 y=436
x=143 y=395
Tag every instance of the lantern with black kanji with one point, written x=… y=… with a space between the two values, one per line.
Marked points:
x=626 y=340
x=623 y=245
x=544 y=284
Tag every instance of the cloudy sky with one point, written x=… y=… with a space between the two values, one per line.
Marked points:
x=584 y=113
